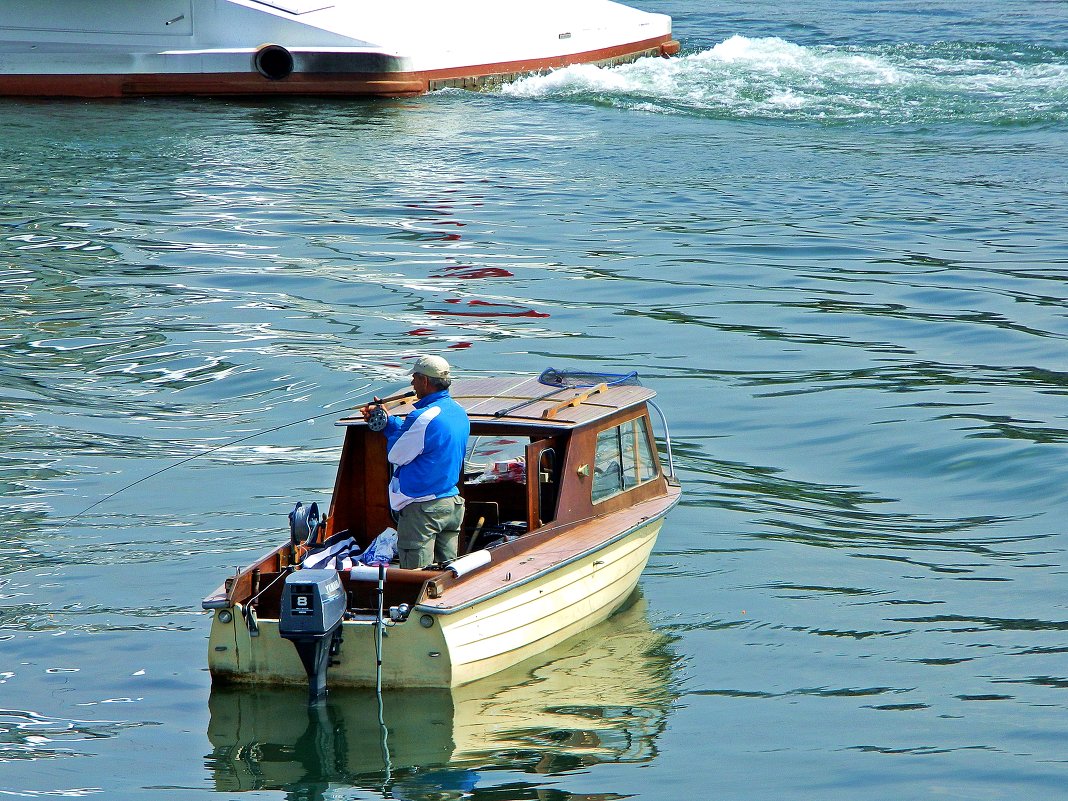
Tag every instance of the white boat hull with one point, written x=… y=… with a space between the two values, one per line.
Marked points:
x=458 y=646
x=121 y=48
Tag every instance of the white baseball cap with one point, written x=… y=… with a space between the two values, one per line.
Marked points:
x=432 y=366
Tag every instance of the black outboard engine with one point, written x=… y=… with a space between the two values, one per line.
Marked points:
x=313 y=605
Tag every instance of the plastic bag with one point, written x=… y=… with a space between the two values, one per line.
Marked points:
x=382 y=550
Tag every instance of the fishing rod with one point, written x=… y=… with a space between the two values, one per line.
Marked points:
x=393 y=400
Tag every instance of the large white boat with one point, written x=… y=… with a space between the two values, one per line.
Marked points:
x=119 y=48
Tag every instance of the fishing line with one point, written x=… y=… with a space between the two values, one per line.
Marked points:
x=255 y=597
x=179 y=463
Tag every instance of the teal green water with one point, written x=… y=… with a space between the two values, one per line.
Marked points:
x=832 y=237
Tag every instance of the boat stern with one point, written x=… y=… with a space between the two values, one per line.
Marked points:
x=243 y=649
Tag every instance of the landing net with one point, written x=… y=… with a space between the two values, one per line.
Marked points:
x=577 y=378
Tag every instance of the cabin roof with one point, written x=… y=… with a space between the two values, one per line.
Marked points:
x=526 y=401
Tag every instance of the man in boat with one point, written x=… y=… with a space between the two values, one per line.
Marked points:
x=426 y=450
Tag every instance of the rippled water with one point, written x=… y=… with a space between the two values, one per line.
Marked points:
x=831 y=237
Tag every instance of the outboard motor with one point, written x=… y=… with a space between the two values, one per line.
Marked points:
x=313 y=605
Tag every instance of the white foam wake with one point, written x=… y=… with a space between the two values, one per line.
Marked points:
x=774 y=78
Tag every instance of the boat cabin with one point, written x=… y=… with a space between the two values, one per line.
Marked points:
x=536 y=458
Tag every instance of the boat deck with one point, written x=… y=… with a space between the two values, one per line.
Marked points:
x=554 y=549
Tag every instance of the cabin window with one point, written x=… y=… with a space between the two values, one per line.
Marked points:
x=624 y=459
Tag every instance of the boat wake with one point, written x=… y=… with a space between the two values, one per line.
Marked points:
x=773 y=79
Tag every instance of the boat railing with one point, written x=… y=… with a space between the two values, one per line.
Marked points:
x=667 y=440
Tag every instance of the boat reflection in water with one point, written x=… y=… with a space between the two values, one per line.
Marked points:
x=602 y=697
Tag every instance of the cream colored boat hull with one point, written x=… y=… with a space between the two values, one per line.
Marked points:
x=441 y=647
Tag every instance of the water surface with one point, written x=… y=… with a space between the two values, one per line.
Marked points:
x=829 y=235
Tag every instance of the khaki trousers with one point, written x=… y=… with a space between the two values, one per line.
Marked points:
x=428 y=531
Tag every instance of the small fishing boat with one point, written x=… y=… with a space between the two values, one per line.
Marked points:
x=119 y=48
x=565 y=495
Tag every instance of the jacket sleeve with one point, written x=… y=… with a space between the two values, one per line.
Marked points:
x=410 y=439
x=392 y=429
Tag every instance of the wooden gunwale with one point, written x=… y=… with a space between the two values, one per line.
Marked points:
x=532 y=556
x=557 y=548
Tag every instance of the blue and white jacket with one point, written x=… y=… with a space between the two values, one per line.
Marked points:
x=427 y=450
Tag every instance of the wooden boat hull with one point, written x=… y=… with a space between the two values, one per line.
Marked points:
x=443 y=647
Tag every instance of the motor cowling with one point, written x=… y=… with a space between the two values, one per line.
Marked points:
x=312 y=609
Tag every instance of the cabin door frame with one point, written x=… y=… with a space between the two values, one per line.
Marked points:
x=541 y=493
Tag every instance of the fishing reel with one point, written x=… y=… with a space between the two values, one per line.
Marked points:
x=378 y=419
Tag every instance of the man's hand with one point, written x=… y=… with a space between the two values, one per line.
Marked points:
x=376 y=416
x=376 y=403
